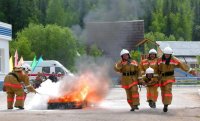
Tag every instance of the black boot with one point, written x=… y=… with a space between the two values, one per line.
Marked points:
x=153 y=105
x=150 y=103
x=165 y=109
x=132 y=109
x=136 y=107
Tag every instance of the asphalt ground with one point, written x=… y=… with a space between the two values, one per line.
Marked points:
x=185 y=107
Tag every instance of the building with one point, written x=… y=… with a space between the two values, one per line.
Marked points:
x=112 y=37
x=5 y=37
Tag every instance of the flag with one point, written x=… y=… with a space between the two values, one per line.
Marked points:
x=16 y=58
x=38 y=62
x=34 y=62
x=21 y=61
x=10 y=64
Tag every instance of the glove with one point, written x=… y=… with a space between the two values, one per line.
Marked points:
x=118 y=65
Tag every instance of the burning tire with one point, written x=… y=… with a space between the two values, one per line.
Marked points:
x=67 y=105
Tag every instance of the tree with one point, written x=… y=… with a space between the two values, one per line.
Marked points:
x=18 y=13
x=95 y=51
x=42 y=7
x=157 y=36
x=196 y=33
x=179 y=18
x=135 y=55
x=23 y=46
x=158 y=23
x=196 y=28
x=52 y=42
x=56 y=13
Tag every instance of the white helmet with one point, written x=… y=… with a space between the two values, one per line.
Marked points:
x=168 y=50
x=149 y=70
x=26 y=67
x=152 y=51
x=124 y=51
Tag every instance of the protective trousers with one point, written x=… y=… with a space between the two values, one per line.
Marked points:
x=166 y=92
x=132 y=95
x=152 y=93
x=16 y=95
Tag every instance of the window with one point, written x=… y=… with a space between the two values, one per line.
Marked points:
x=58 y=69
x=46 y=69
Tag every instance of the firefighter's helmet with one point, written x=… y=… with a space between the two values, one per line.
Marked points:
x=124 y=51
x=26 y=67
x=152 y=51
x=149 y=70
x=168 y=50
x=17 y=68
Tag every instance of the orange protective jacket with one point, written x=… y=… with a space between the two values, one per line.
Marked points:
x=129 y=71
x=174 y=63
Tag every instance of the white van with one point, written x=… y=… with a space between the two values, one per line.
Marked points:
x=48 y=67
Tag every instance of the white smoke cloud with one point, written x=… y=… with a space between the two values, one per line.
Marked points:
x=93 y=72
x=47 y=89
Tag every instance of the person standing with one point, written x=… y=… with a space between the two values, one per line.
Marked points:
x=17 y=85
x=129 y=78
x=12 y=86
x=152 y=90
x=167 y=63
x=53 y=77
x=38 y=80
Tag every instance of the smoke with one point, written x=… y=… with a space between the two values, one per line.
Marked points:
x=113 y=10
x=116 y=10
x=45 y=91
x=97 y=72
x=92 y=74
x=102 y=26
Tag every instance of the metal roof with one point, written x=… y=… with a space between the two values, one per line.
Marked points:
x=182 y=48
x=188 y=59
